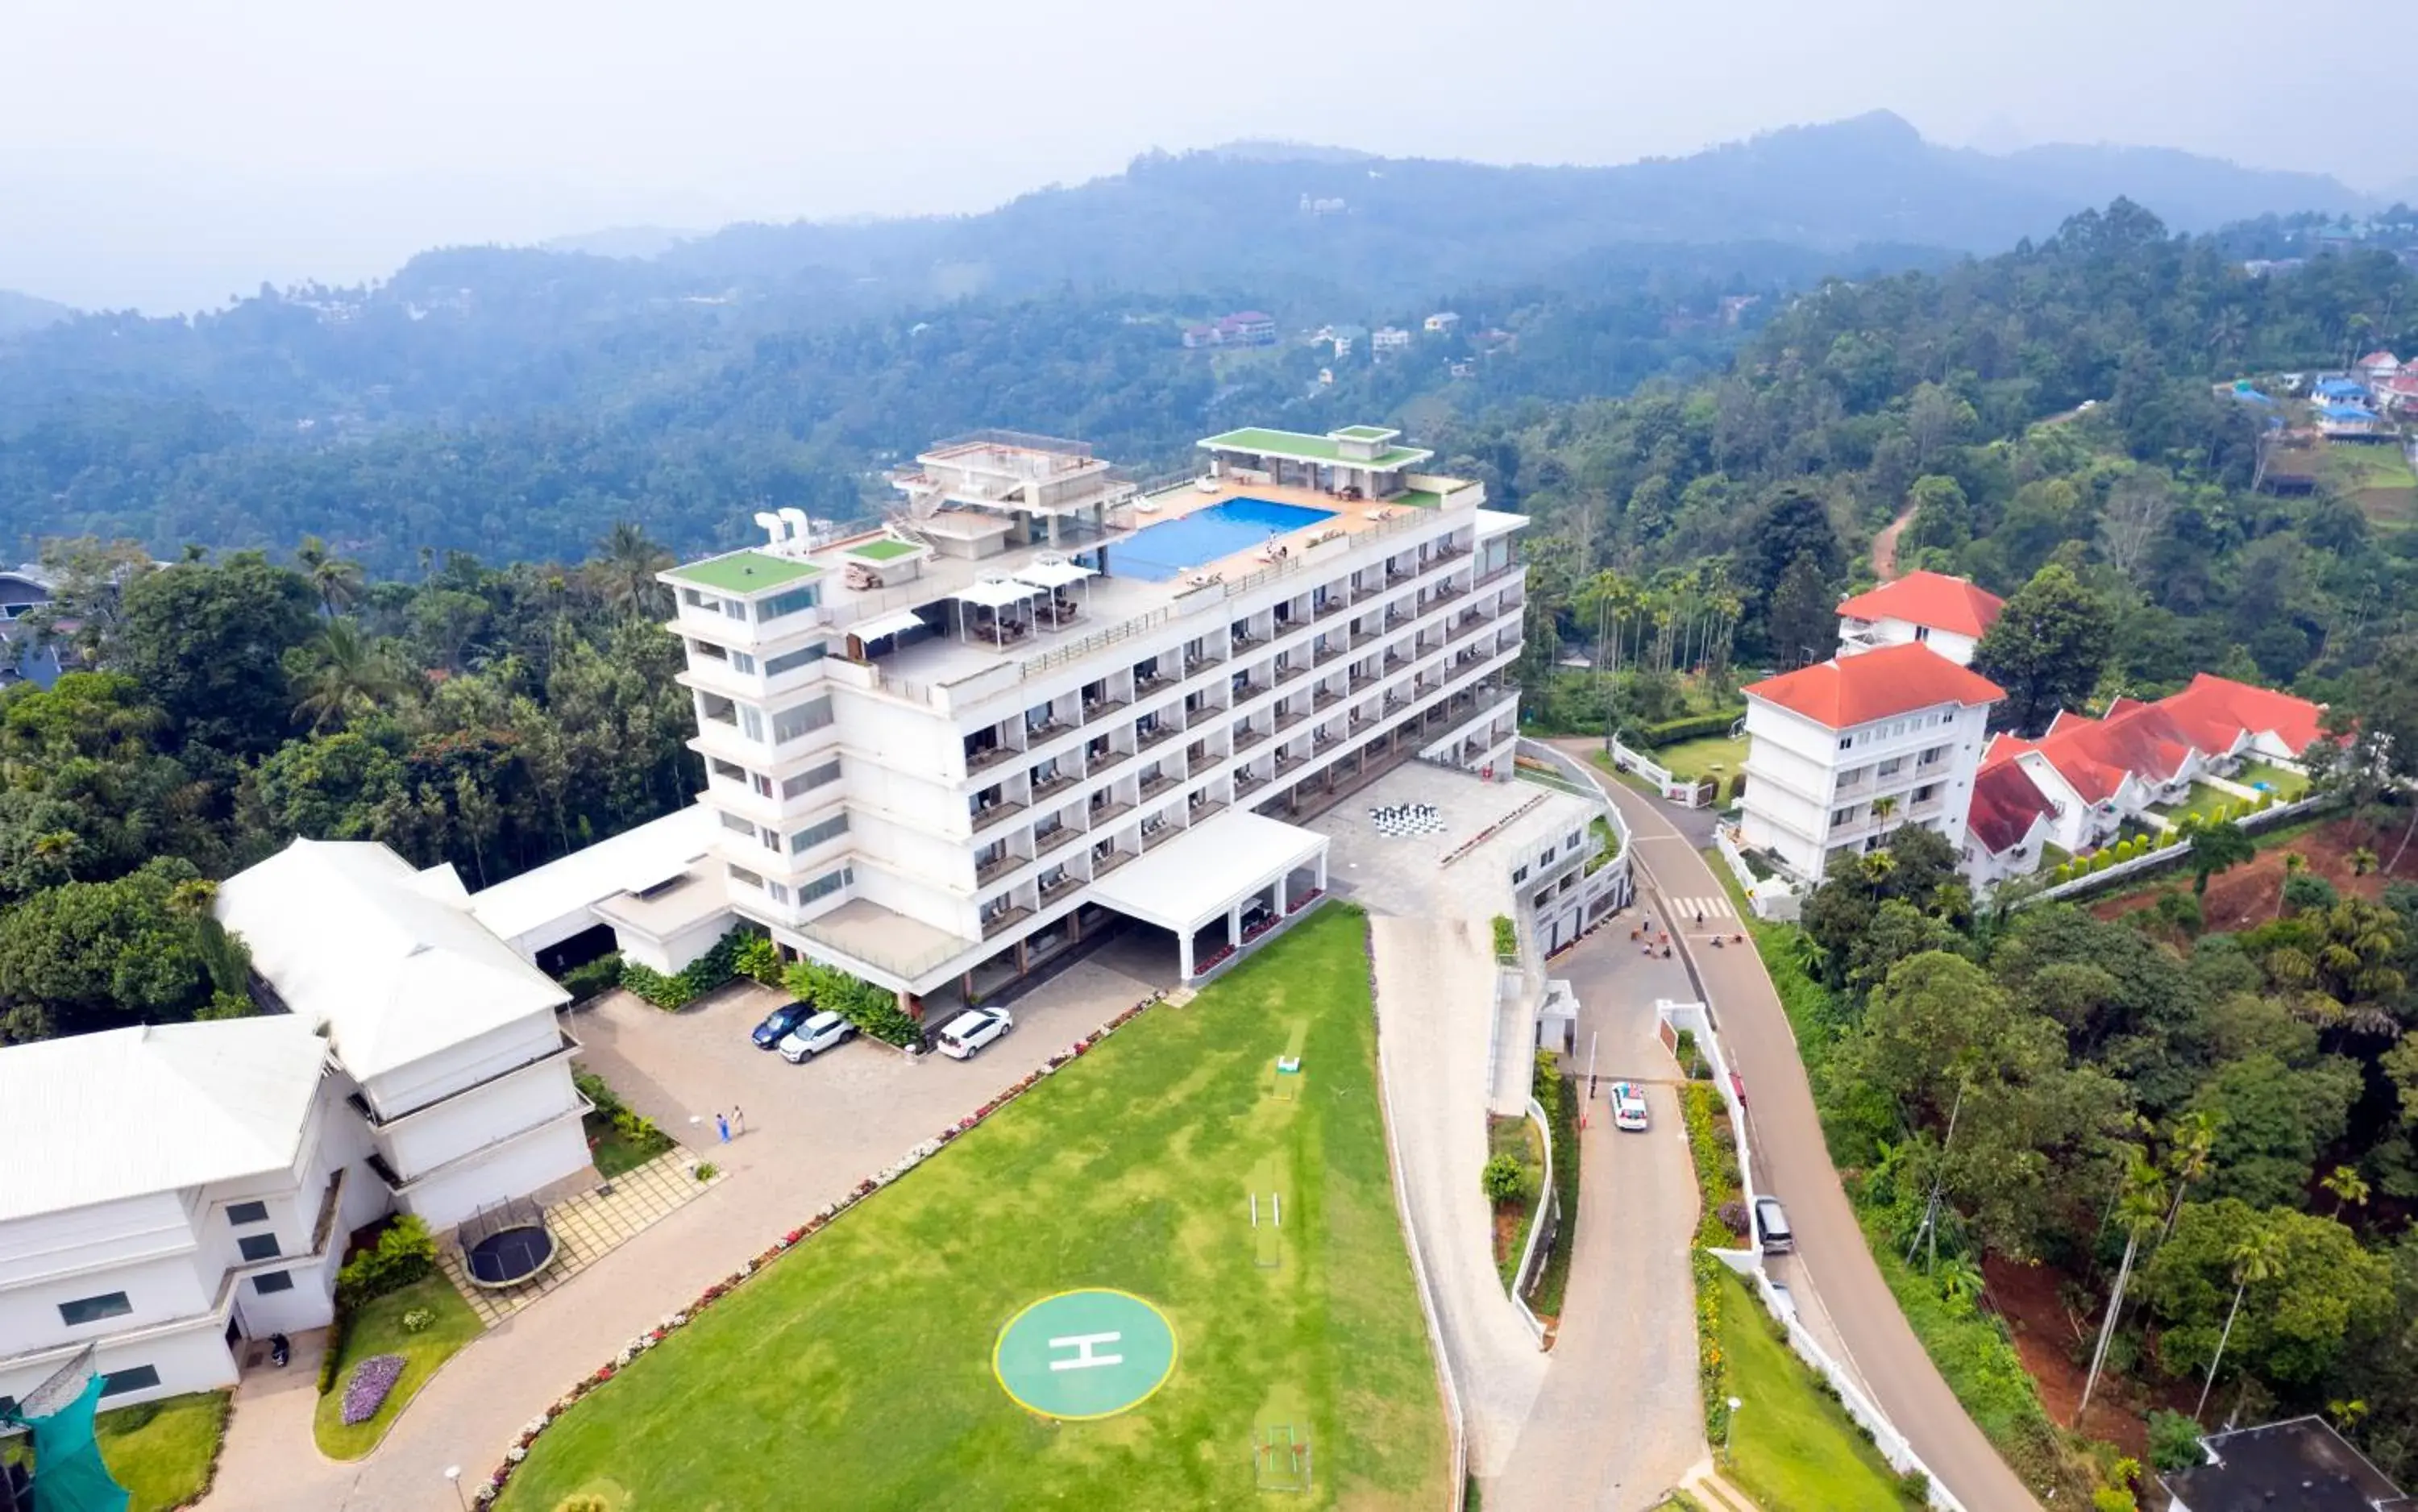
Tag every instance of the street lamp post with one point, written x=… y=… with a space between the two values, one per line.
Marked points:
x=453 y=1477
x=1729 y=1426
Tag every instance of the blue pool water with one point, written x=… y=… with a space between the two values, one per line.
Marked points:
x=1159 y=552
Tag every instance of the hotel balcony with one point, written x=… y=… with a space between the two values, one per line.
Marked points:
x=1057 y=839
x=997 y=813
x=1165 y=731
x=1004 y=920
x=998 y=866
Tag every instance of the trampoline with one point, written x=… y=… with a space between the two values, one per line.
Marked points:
x=505 y=1245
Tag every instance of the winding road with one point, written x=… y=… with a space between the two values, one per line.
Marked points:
x=1794 y=1164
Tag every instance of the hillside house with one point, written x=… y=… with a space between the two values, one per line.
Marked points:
x=2377 y=365
x=1948 y=614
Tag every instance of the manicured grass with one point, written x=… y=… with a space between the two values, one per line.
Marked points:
x=856 y=1371
x=1792 y=1447
x=161 y=1451
x=376 y=1328
x=614 y=1151
x=2203 y=801
x=1692 y=759
x=2286 y=785
x=883 y=551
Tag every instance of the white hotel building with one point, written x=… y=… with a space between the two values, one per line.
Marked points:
x=1846 y=751
x=1041 y=697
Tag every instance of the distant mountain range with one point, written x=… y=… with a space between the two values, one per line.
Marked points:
x=1288 y=218
x=22 y=312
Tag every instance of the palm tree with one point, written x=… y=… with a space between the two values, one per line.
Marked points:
x=2257 y=1257
x=1878 y=866
x=2348 y=1185
x=2140 y=1209
x=336 y=581
x=2363 y=861
x=1961 y=1281
x=626 y=566
x=340 y=672
x=2294 y=865
x=2190 y=1152
x=1882 y=809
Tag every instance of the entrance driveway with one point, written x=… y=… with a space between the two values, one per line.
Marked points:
x=813 y=1132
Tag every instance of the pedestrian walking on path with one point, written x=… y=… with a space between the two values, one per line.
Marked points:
x=722 y=1121
x=738 y=1120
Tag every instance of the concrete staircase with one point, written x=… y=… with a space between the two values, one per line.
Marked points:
x=1705 y=1483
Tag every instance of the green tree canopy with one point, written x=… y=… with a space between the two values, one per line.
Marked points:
x=2047 y=649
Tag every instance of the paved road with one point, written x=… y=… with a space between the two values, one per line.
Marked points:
x=1620 y=1421
x=1794 y=1164
x=1435 y=992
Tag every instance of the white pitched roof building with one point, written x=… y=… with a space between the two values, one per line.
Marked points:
x=171 y=1188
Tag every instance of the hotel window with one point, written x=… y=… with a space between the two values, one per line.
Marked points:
x=781 y=605
x=815 y=834
x=728 y=771
x=1843 y=815
x=751 y=722
x=93 y=1309
x=1925 y=793
x=257 y=1246
x=791 y=661
x=271 y=1281
x=778 y=891
x=135 y=1378
x=1519 y=875
x=801 y=720
x=741 y=662
x=1845 y=740
x=737 y=825
x=241 y=1213
x=812 y=777
x=740 y=874
x=825 y=885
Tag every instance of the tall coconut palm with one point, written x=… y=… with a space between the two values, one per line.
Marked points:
x=336 y=581
x=2348 y=1185
x=2257 y=1257
x=2190 y=1152
x=340 y=673
x=2142 y=1209
x=626 y=565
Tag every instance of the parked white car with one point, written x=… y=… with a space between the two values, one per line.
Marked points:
x=973 y=1028
x=817 y=1034
x=1628 y=1106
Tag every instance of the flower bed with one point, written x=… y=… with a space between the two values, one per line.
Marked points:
x=371 y=1380
x=820 y=1220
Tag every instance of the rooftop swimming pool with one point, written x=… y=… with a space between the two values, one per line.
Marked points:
x=1172 y=547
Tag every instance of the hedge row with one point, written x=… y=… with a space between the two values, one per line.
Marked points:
x=1687 y=728
x=693 y=981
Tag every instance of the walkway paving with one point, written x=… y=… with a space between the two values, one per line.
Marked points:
x=830 y=1123
x=1618 y=1421
x=1794 y=1164
x=586 y=1229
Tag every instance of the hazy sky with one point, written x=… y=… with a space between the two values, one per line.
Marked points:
x=170 y=152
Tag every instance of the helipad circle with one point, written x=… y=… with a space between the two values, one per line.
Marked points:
x=1084 y=1354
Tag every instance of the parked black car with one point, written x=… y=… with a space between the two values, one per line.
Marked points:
x=777 y=1024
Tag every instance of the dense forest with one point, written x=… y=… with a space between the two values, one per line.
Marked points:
x=490 y=718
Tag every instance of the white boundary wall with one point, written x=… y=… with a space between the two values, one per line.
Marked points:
x=1893 y=1446
x=2171 y=855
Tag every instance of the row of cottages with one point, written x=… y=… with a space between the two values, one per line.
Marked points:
x=1244 y=327
x=2076 y=785
x=173 y=1189
x=1893 y=731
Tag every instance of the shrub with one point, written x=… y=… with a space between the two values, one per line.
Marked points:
x=366 y=1392
x=1737 y=785
x=1712 y=1367
x=706 y=1170
x=419 y=1319
x=1689 y=728
x=873 y=1010
x=1733 y=1215
x=691 y=981
x=1503 y=1181
x=578 y=1503
x=1506 y=939
x=759 y=957
x=586 y=981
x=2174 y=1440
x=403 y=1254
x=2113 y=1499
x=1913 y=1486
x=597 y=1091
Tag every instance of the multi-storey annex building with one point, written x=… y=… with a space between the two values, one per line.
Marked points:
x=1043 y=694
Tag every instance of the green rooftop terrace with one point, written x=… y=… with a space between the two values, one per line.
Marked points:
x=744 y=572
x=883 y=551
x=1303 y=447
x=1367 y=433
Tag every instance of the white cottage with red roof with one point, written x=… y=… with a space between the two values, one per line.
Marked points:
x=1843 y=752
x=1948 y=614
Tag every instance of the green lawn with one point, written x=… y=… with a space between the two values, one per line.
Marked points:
x=160 y=1451
x=1516 y=1137
x=378 y=1329
x=2286 y=785
x=857 y=1371
x=1792 y=1447
x=2204 y=801
x=1713 y=757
